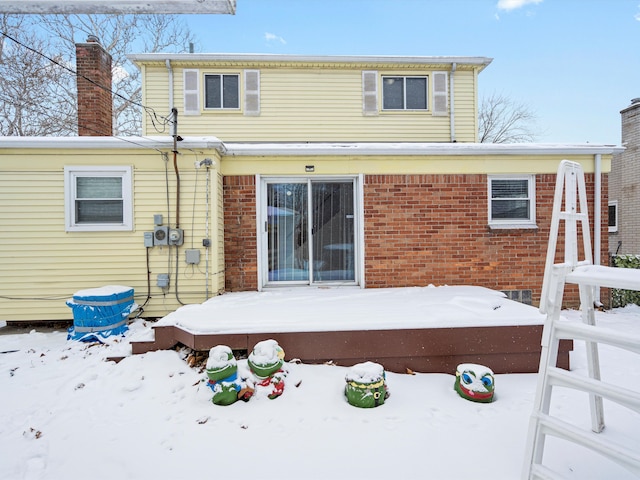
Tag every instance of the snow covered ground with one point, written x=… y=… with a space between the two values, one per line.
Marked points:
x=67 y=413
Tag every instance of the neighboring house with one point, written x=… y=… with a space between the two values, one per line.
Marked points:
x=624 y=187
x=300 y=171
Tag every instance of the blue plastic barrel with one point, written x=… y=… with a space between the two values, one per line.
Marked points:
x=100 y=312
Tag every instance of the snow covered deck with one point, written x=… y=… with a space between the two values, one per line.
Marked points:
x=425 y=329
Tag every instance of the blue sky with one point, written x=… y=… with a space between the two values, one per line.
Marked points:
x=574 y=63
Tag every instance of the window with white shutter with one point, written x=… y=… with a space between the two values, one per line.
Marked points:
x=191 y=92
x=440 y=93
x=370 y=93
x=252 y=92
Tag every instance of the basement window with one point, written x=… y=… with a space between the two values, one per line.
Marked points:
x=512 y=201
x=98 y=199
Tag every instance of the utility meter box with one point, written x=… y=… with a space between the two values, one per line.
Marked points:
x=160 y=235
x=176 y=236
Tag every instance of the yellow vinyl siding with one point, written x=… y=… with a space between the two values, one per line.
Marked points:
x=314 y=103
x=466 y=114
x=41 y=265
x=406 y=165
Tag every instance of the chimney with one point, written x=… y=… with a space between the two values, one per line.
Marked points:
x=95 y=102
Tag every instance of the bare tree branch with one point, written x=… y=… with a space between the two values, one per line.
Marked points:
x=40 y=98
x=501 y=120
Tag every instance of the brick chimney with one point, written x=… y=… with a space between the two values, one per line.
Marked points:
x=95 y=102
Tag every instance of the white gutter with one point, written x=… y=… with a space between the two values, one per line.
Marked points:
x=266 y=57
x=452 y=116
x=116 y=143
x=407 y=149
x=597 y=216
x=170 y=69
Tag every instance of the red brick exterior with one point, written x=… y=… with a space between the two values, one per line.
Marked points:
x=421 y=230
x=240 y=245
x=95 y=102
x=432 y=229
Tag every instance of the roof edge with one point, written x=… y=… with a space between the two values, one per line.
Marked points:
x=412 y=149
x=269 y=57
x=118 y=143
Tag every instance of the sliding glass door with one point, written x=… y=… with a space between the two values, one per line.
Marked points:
x=310 y=232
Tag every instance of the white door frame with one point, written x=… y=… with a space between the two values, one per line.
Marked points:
x=261 y=230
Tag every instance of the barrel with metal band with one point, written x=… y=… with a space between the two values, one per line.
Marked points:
x=100 y=312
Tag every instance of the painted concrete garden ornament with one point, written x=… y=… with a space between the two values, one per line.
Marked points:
x=265 y=362
x=475 y=382
x=366 y=385
x=222 y=370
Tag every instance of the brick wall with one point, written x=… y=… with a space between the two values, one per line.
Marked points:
x=240 y=246
x=432 y=229
x=625 y=184
x=95 y=105
x=421 y=230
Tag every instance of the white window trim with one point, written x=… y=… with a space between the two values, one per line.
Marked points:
x=222 y=108
x=514 y=223
x=73 y=172
x=614 y=228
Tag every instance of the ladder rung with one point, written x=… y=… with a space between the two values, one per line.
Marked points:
x=603 y=276
x=620 y=454
x=566 y=330
x=573 y=216
x=622 y=396
x=540 y=472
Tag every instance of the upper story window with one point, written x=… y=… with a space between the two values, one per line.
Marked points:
x=222 y=91
x=98 y=199
x=512 y=201
x=404 y=93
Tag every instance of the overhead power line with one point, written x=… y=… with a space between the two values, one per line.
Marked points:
x=162 y=120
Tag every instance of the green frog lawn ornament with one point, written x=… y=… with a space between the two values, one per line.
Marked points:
x=475 y=382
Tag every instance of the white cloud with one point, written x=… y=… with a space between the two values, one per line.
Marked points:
x=637 y=15
x=514 y=4
x=270 y=37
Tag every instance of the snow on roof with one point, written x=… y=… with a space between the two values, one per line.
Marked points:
x=267 y=57
x=410 y=148
x=153 y=142
x=323 y=148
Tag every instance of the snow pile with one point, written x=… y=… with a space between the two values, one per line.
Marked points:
x=68 y=413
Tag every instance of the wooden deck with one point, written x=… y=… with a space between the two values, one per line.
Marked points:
x=504 y=349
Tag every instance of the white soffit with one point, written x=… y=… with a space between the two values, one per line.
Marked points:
x=118 y=6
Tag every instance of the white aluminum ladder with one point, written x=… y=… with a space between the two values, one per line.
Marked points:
x=588 y=277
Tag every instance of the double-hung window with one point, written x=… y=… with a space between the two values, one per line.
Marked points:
x=512 y=201
x=404 y=93
x=98 y=199
x=222 y=91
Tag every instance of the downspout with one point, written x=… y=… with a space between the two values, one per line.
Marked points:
x=170 y=70
x=452 y=115
x=597 y=216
